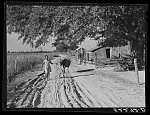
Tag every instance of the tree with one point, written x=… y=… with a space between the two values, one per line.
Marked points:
x=35 y=24
x=126 y=24
x=61 y=47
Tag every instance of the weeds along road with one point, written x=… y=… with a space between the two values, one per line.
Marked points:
x=82 y=87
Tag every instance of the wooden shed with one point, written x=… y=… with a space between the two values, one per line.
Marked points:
x=108 y=52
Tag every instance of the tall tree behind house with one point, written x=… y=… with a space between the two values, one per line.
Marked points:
x=127 y=24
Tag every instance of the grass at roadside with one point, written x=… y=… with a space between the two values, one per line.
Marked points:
x=20 y=62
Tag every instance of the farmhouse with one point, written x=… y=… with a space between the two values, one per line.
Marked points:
x=110 y=52
x=88 y=51
x=104 y=52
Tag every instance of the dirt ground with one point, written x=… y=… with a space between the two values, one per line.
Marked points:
x=83 y=87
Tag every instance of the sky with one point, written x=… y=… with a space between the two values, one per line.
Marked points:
x=16 y=45
x=89 y=44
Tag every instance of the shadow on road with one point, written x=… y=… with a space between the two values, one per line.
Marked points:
x=66 y=76
x=77 y=76
x=86 y=70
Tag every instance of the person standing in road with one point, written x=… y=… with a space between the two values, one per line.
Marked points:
x=46 y=66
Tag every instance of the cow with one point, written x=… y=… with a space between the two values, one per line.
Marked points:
x=65 y=63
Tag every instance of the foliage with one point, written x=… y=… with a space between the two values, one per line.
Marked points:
x=72 y=24
x=36 y=24
x=126 y=24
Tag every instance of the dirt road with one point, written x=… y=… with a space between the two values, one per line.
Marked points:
x=83 y=87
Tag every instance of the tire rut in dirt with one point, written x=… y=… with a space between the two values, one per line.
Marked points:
x=25 y=92
x=75 y=94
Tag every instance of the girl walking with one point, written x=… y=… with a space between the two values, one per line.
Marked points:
x=46 y=66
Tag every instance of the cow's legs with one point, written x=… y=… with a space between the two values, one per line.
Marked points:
x=64 y=69
x=68 y=69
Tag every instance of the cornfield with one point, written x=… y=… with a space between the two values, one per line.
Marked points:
x=20 y=62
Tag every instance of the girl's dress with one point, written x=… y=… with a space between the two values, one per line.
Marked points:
x=47 y=67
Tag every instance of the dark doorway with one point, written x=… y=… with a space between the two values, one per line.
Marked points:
x=88 y=56
x=108 y=53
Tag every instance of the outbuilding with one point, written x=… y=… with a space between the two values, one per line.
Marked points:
x=108 y=52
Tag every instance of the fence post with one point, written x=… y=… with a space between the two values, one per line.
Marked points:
x=85 y=57
x=95 y=59
x=15 y=65
x=80 y=58
x=136 y=70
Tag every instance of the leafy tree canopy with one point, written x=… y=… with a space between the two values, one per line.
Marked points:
x=71 y=24
x=126 y=24
x=38 y=23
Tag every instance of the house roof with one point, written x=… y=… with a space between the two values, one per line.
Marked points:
x=94 y=49
x=77 y=48
x=80 y=48
x=97 y=48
